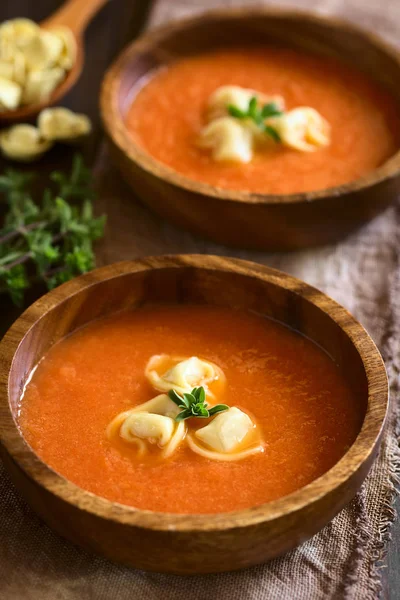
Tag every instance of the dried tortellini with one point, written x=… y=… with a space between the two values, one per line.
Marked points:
x=235 y=139
x=34 y=60
x=61 y=124
x=10 y=93
x=26 y=143
x=184 y=375
x=23 y=143
x=40 y=84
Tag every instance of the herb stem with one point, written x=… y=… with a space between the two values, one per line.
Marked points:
x=18 y=261
x=21 y=230
x=26 y=257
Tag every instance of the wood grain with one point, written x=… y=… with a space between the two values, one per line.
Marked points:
x=196 y=543
x=244 y=219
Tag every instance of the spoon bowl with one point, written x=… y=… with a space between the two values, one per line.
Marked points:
x=75 y=15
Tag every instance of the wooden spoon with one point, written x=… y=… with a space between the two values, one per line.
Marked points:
x=75 y=14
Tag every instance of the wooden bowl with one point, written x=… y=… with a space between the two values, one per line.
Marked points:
x=244 y=219
x=174 y=543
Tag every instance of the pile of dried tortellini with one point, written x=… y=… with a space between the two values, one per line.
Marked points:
x=26 y=143
x=33 y=62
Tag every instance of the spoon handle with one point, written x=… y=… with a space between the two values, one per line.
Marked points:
x=75 y=14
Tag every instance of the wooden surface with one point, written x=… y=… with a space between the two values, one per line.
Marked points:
x=107 y=32
x=196 y=543
x=243 y=219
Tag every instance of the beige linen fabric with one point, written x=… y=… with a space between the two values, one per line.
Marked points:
x=362 y=273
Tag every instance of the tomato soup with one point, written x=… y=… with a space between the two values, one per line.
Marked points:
x=296 y=394
x=168 y=114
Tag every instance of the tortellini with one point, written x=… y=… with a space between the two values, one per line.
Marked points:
x=40 y=84
x=183 y=376
x=232 y=139
x=41 y=50
x=150 y=423
x=161 y=405
x=228 y=139
x=23 y=143
x=157 y=429
x=63 y=124
x=33 y=61
x=303 y=129
x=228 y=436
x=226 y=431
x=26 y=143
x=10 y=92
x=224 y=438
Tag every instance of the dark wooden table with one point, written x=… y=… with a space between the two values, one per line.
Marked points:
x=119 y=21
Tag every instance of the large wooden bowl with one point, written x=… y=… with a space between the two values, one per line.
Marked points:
x=190 y=543
x=235 y=218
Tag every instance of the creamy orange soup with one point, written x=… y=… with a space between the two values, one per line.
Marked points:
x=294 y=391
x=168 y=114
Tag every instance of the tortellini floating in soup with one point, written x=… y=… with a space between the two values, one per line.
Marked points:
x=231 y=435
x=161 y=405
x=161 y=423
x=183 y=375
x=226 y=431
x=157 y=429
x=228 y=140
x=151 y=423
x=303 y=129
x=234 y=137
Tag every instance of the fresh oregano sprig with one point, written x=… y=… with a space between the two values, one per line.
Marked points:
x=50 y=241
x=258 y=114
x=194 y=404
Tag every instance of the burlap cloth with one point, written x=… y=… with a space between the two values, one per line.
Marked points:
x=343 y=560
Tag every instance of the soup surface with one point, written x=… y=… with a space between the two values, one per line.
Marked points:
x=294 y=391
x=168 y=114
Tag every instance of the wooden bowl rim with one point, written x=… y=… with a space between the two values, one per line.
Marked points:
x=118 y=132
x=362 y=448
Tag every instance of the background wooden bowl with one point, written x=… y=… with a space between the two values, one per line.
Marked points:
x=190 y=543
x=243 y=219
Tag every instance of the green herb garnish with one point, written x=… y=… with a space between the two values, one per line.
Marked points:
x=258 y=115
x=194 y=404
x=52 y=241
